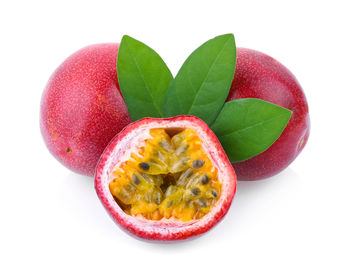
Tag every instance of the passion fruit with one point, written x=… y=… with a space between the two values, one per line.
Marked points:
x=166 y=179
x=82 y=108
x=261 y=76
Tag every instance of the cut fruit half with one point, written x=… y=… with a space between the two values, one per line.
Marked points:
x=166 y=179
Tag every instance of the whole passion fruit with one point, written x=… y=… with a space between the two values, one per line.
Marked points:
x=82 y=108
x=260 y=76
x=166 y=179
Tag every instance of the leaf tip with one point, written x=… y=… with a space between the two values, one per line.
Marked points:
x=126 y=38
x=228 y=35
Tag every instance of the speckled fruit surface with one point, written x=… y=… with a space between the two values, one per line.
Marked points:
x=82 y=108
x=260 y=76
x=166 y=229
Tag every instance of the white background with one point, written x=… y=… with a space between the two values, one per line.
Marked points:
x=294 y=224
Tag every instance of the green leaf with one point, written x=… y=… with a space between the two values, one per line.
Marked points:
x=247 y=127
x=201 y=86
x=143 y=77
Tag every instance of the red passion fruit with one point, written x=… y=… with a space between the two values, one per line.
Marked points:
x=82 y=108
x=166 y=179
x=259 y=76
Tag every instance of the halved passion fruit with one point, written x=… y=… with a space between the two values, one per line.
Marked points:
x=166 y=179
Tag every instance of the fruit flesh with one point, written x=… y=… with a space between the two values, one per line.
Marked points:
x=170 y=176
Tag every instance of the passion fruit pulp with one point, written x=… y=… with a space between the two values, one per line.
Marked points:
x=166 y=179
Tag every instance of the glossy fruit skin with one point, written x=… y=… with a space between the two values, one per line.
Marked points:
x=258 y=75
x=82 y=108
x=160 y=230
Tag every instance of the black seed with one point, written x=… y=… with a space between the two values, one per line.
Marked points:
x=195 y=191
x=144 y=166
x=213 y=192
x=204 y=179
x=202 y=202
x=68 y=150
x=198 y=163
x=135 y=179
x=170 y=203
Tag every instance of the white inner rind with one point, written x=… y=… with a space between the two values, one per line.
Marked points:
x=136 y=139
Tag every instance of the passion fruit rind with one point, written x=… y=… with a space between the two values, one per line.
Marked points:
x=125 y=147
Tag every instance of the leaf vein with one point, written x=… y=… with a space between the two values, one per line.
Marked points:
x=146 y=85
x=209 y=71
x=252 y=126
